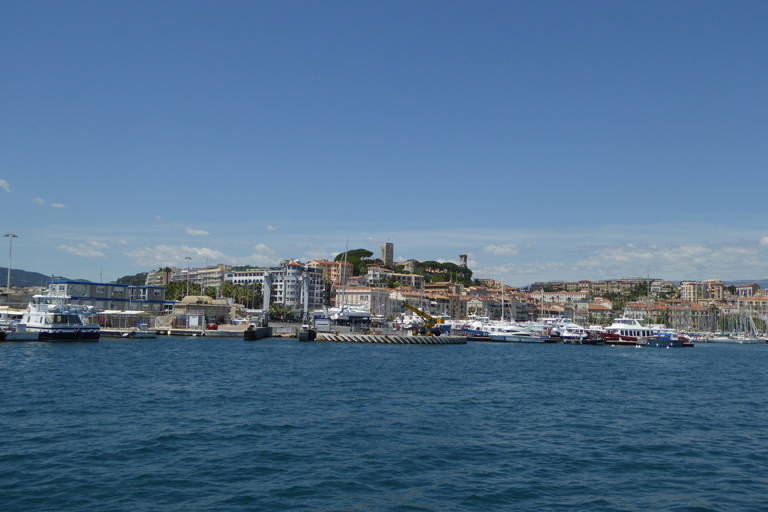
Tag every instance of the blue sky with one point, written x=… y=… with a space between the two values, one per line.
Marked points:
x=546 y=140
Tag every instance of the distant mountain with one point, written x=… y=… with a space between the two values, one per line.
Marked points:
x=23 y=278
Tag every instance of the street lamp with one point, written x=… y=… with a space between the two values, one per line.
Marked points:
x=10 y=237
x=188 y=260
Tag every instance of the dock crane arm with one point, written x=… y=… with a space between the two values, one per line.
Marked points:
x=429 y=321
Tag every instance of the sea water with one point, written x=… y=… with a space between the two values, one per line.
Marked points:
x=194 y=424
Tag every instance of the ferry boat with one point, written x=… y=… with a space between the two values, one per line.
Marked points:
x=54 y=319
x=627 y=331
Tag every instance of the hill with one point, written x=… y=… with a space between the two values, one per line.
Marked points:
x=357 y=258
x=22 y=278
x=135 y=280
x=441 y=272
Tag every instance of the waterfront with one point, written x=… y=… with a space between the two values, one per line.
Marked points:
x=196 y=424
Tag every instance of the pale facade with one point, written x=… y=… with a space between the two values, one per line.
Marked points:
x=375 y=300
x=560 y=297
x=286 y=284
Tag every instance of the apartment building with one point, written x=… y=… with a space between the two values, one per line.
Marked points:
x=560 y=297
x=212 y=277
x=747 y=290
x=286 y=283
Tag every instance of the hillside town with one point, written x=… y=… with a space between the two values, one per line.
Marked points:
x=225 y=294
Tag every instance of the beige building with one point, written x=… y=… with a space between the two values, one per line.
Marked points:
x=375 y=300
x=212 y=277
x=340 y=271
x=158 y=278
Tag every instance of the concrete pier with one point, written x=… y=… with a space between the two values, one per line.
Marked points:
x=394 y=340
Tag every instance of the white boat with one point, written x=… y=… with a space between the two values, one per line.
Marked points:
x=54 y=319
x=347 y=313
x=627 y=331
x=739 y=339
x=567 y=331
x=516 y=334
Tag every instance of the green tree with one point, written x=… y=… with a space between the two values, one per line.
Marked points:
x=178 y=289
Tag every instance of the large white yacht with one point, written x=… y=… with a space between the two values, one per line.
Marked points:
x=627 y=331
x=516 y=334
x=54 y=319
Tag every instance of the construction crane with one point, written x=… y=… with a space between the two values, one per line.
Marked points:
x=429 y=327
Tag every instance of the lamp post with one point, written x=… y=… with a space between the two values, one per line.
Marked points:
x=10 y=237
x=188 y=260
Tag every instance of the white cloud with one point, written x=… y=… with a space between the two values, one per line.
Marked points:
x=259 y=260
x=196 y=232
x=263 y=248
x=764 y=241
x=57 y=205
x=99 y=245
x=737 y=250
x=502 y=250
x=4 y=184
x=170 y=255
x=319 y=255
x=84 y=250
x=122 y=242
x=270 y=228
x=38 y=200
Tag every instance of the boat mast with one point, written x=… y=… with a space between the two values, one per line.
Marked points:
x=344 y=279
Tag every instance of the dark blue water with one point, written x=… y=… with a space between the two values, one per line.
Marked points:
x=202 y=424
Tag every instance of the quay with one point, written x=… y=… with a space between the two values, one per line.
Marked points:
x=395 y=340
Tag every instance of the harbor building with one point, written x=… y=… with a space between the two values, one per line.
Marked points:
x=111 y=296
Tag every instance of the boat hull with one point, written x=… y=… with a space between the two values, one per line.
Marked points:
x=67 y=335
x=515 y=338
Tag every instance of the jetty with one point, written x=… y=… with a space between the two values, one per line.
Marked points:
x=391 y=339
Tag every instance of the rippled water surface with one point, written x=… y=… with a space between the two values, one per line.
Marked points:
x=203 y=424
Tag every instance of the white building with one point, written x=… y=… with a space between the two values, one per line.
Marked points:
x=560 y=297
x=286 y=284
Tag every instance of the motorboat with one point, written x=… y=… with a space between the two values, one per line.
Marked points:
x=516 y=334
x=567 y=331
x=53 y=318
x=664 y=336
x=477 y=329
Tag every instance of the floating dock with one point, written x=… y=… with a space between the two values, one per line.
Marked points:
x=394 y=340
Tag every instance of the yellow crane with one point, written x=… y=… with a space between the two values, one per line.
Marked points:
x=430 y=322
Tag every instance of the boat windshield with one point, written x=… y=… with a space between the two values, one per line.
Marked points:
x=64 y=319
